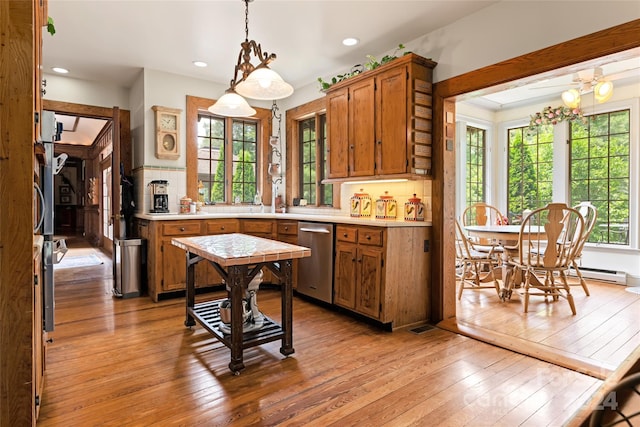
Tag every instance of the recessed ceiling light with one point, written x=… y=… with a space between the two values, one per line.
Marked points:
x=60 y=70
x=200 y=64
x=350 y=41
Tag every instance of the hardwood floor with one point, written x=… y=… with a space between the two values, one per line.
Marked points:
x=132 y=362
x=597 y=340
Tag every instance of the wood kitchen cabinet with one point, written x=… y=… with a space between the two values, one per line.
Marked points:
x=166 y=264
x=383 y=273
x=265 y=228
x=358 y=269
x=379 y=122
x=287 y=231
x=39 y=335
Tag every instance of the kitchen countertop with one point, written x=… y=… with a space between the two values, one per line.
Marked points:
x=338 y=219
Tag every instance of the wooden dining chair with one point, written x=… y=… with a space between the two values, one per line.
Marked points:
x=548 y=242
x=589 y=215
x=484 y=214
x=474 y=269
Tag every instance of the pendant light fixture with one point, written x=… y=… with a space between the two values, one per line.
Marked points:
x=255 y=82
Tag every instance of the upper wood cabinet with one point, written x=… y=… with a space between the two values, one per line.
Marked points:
x=379 y=123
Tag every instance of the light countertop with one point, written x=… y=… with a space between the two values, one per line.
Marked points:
x=338 y=219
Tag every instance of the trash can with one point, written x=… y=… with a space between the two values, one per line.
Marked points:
x=129 y=265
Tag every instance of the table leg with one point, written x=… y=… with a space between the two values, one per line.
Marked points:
x=191 y=292
x=287 y=309
x=237 y=277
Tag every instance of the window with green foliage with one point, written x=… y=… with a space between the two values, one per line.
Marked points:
x=476 y=143
x=220 y=139
x=313 y=161
x=600 y=171
x=530 y=176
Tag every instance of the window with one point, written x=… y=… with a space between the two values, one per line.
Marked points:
x=313 y=164
x=476 y=142
x=600 y=171
x=530 y=170
x=240 y=146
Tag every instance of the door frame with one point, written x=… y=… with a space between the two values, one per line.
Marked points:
x=121 y=140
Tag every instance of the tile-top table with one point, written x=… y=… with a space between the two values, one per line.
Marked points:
x=238 y=258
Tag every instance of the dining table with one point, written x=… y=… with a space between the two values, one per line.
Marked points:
x=506 y=236
x=238 y=258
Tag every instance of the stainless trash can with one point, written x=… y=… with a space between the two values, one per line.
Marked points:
x=129 y=265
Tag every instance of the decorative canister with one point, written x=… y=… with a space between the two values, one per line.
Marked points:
x=386 y=207
x=414 y=209
x=360 y=205
x=185 y=203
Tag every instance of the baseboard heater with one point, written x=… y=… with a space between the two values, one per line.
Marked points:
x=600 y=274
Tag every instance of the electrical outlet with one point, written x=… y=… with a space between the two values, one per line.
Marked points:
x=426 y=246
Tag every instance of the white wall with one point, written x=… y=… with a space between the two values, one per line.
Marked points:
x=67 y=89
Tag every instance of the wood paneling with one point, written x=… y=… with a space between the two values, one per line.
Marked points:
x=20 y=34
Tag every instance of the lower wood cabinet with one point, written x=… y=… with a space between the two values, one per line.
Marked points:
x=383 y=273
x=379 y=272
x=39 y=335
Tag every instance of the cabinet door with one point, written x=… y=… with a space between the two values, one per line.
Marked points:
x=391 y=122
x=174 y=269
x=362 y=128
x=39 y=341
x=344 y=293
x=338 y=133
x=369 y=280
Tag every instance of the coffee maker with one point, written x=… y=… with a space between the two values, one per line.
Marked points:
x=159 y=196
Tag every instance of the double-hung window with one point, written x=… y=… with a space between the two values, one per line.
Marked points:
x=475 y=168
x=313 y=161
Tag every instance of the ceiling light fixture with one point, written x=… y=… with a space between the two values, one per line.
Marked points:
x=350 y=41
x=603 y=91
x=60 y=70
x=200 y=64
x=571 y=98
x=255 y=82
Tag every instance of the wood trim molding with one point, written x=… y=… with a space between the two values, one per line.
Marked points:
x=615 y=42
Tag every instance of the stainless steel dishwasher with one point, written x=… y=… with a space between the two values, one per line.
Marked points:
x=315 y=273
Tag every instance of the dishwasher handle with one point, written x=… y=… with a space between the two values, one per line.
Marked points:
x=315 y=230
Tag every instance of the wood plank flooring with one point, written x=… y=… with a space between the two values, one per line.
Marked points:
x=132 y=362
x=599 y=338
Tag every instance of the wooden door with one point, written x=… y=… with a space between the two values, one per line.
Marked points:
x=344 y=293
x=362 y=128
x=174 y=266
x=338 y=133
x=367 y=299
x=391 y=122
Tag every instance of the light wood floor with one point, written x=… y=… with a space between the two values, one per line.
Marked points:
x=597 y=340
x=132 y=362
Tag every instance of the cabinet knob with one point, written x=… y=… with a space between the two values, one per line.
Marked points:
x=181 y=228
x=351 y=146
x=379 y=142
x=367 y=237
x=286 y=229
x=344 y=235
x=222 y=228
x=360 y=260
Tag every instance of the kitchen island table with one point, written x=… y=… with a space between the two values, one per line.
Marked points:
x=238 y=258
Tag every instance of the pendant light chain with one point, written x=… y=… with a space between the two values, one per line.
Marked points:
x=246 y=20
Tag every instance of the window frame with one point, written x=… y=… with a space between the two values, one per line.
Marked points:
x=197 y=105
x=293 y=118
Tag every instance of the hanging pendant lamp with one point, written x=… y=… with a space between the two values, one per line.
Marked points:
x=255 y=82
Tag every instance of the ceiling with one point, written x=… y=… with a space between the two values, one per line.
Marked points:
x=111 y=41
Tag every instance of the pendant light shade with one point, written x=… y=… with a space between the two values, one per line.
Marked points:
x=603 y=91
x=232 y=105
x=264 y=84
x=249 y=80
x=571 y=98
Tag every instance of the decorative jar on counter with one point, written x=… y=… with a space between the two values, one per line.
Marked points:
x=386 y=207
x=414 y=209
x=360 y=205
x=185 y=204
